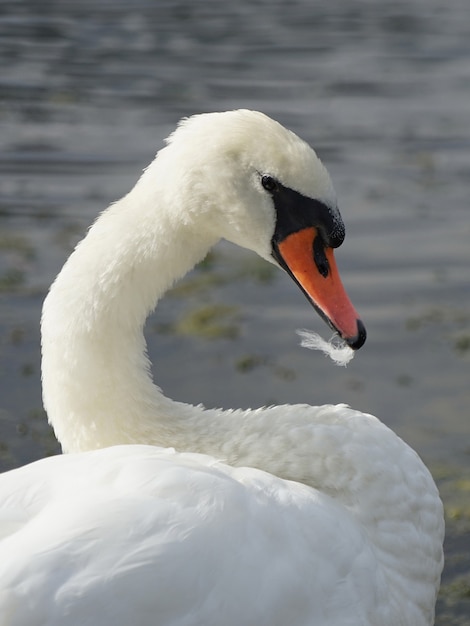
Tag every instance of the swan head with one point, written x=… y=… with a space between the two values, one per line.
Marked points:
x=257 y=184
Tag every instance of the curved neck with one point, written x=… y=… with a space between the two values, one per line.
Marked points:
x=97 y=387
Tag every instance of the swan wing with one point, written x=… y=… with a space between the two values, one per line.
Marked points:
x=147 y=536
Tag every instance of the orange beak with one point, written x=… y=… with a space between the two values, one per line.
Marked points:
x=312 y=265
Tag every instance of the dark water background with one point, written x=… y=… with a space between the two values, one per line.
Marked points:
x=381 y=89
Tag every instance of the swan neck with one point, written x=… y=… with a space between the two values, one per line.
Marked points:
x=97 y=386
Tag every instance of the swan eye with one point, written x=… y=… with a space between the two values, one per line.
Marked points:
x=269 y=183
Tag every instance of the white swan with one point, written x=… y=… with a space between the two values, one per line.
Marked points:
x=312 y=516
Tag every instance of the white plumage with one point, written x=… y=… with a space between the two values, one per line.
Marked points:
x=295 y=515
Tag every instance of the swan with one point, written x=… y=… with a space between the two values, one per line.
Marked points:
x=166 y=514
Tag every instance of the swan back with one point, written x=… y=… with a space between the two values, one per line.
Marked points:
x=141 y=535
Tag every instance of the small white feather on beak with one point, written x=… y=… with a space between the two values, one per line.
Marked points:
x=335 y=348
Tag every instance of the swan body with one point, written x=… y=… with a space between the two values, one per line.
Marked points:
x=170 y=514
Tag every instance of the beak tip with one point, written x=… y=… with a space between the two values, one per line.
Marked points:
x=359 y=339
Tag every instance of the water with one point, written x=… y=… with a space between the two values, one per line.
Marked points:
x=89 y=90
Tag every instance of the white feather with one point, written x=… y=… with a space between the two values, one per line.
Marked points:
x=337 y=349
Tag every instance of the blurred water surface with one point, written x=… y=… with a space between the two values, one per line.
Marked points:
x=89 y=90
